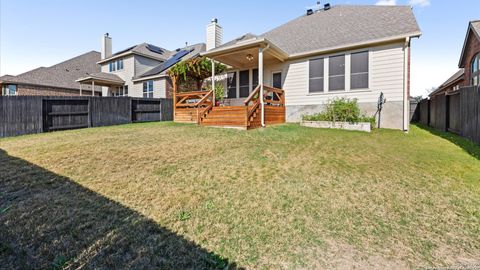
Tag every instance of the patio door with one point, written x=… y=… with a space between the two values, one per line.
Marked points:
x=232 y=85
x=276 y=82
x=244 y=83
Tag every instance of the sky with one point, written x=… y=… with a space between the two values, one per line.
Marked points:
x=45 y=32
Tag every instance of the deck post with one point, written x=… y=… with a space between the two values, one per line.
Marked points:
x=80 y=88
x=260 y=80
x=213 y=82
x=93 y=88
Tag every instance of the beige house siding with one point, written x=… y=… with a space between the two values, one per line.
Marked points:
x=159 y=88
x=386 y=74
x=126 y=73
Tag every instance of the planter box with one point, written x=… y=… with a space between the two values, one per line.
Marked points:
x=362 y=126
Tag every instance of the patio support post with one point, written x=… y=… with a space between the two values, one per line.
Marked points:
x=80 y=88
x=213 y=82
x=260 y=80
x=93 y=88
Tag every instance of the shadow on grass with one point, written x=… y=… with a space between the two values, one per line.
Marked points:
x=468 y=146
x=48 y=221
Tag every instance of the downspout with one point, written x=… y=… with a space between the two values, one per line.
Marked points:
x=406 y=79
x=260 y=74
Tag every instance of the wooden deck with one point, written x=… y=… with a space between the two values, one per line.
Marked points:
x=197 y=108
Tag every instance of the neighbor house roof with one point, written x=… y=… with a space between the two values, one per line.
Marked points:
x=339 y=27
x=177 y=56
x=454 y=78
x=144 y=49
x=473 y=27
x=62 y=75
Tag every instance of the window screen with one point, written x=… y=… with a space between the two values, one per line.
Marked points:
x=359 y=70
x=232 y=84
x=337 y=73
x=244 y=83
x=315 y=75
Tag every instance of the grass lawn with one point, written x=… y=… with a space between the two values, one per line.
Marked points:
x=286 y=197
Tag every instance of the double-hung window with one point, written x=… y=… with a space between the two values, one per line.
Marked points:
x=359 y=70
x=148 y=89
x=336 y=68
x=119 y=64
x=315 y=75
x=112 y=66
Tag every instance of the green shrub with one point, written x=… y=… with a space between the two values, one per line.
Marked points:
x=341 y=110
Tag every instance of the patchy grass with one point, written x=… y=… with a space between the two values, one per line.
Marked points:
x=182 y=196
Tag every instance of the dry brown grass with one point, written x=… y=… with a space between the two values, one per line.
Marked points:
x=180 y=196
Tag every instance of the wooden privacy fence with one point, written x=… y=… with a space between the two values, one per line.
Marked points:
x=457 y=112
x=35 y=114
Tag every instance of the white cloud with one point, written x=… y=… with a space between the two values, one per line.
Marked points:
x=422 y=3
x=387 y=2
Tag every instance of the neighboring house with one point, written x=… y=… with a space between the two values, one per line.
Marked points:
x=452 y=84
x=469 y=64
x=57 y=80
x=138 y=71
x=470 y=56
x=340 y=51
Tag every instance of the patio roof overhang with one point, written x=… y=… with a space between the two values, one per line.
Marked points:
x=102 y=79
x=245 y=54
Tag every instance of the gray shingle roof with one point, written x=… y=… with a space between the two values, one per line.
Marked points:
x=105 y=76
x=62 y=75
x=339 y=26
x=343 y=25
x=163 y=67
x=145 y=49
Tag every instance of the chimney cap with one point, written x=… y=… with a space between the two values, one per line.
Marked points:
x=214 y=20
x=107 y=34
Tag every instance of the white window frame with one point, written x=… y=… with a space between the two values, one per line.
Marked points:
x=326 y=71
x=150 y=90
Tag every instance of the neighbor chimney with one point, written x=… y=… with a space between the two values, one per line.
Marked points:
x=106 y=46
x=214 y=34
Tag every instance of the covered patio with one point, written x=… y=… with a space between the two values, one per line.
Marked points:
x=249 y=103
x=103 y=79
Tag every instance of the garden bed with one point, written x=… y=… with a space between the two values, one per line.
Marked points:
x=362 y=126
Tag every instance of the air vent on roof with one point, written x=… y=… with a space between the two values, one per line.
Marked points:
x=326 y=6
x=309 y=12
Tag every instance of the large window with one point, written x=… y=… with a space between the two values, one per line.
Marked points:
x=9 y=90
x=315 y=75
x=336 y=69
x=476 y=70
x=148 y=89
x=232 y=85
x=359 y=70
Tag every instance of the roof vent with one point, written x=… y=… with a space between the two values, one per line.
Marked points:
x=326 y=6
x=309 y=12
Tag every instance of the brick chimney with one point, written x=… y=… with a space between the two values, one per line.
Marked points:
x=106 y=46
x=214 y=34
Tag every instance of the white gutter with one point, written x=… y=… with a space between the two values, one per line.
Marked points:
x=406 y=78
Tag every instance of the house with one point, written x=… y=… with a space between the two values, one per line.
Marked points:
x=469 y=70
x=452 y=84
x=57 y=80
x=339 y=51
x=137 y=71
